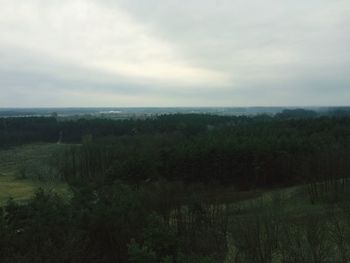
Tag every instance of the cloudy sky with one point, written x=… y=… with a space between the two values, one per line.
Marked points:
x=174 y=53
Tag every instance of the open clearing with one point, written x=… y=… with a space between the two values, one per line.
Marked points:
x=18 y=165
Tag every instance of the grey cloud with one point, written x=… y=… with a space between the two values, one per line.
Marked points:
x=265 y=52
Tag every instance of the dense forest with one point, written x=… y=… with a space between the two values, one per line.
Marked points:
x=169 y=189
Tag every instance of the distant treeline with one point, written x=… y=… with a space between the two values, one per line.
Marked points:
x=21 y=130
x=260 y=151
x=48 y=129
x=248 y=153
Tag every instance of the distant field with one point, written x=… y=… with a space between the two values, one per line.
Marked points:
x=25 y=168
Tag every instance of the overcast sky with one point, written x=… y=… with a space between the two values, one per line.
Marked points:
x=174 y=53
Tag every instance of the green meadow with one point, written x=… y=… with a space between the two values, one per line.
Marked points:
x=24 y=169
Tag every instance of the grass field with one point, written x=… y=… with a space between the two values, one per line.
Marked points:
x=19 y=167
x=26 y=168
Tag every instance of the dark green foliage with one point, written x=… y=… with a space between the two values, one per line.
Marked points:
x=297 y=114
x=104 y=224
x=117 y=224
x=37 y=232
x=138 y=190
x=246 y=152
x=19 y=130
x=90 y=228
